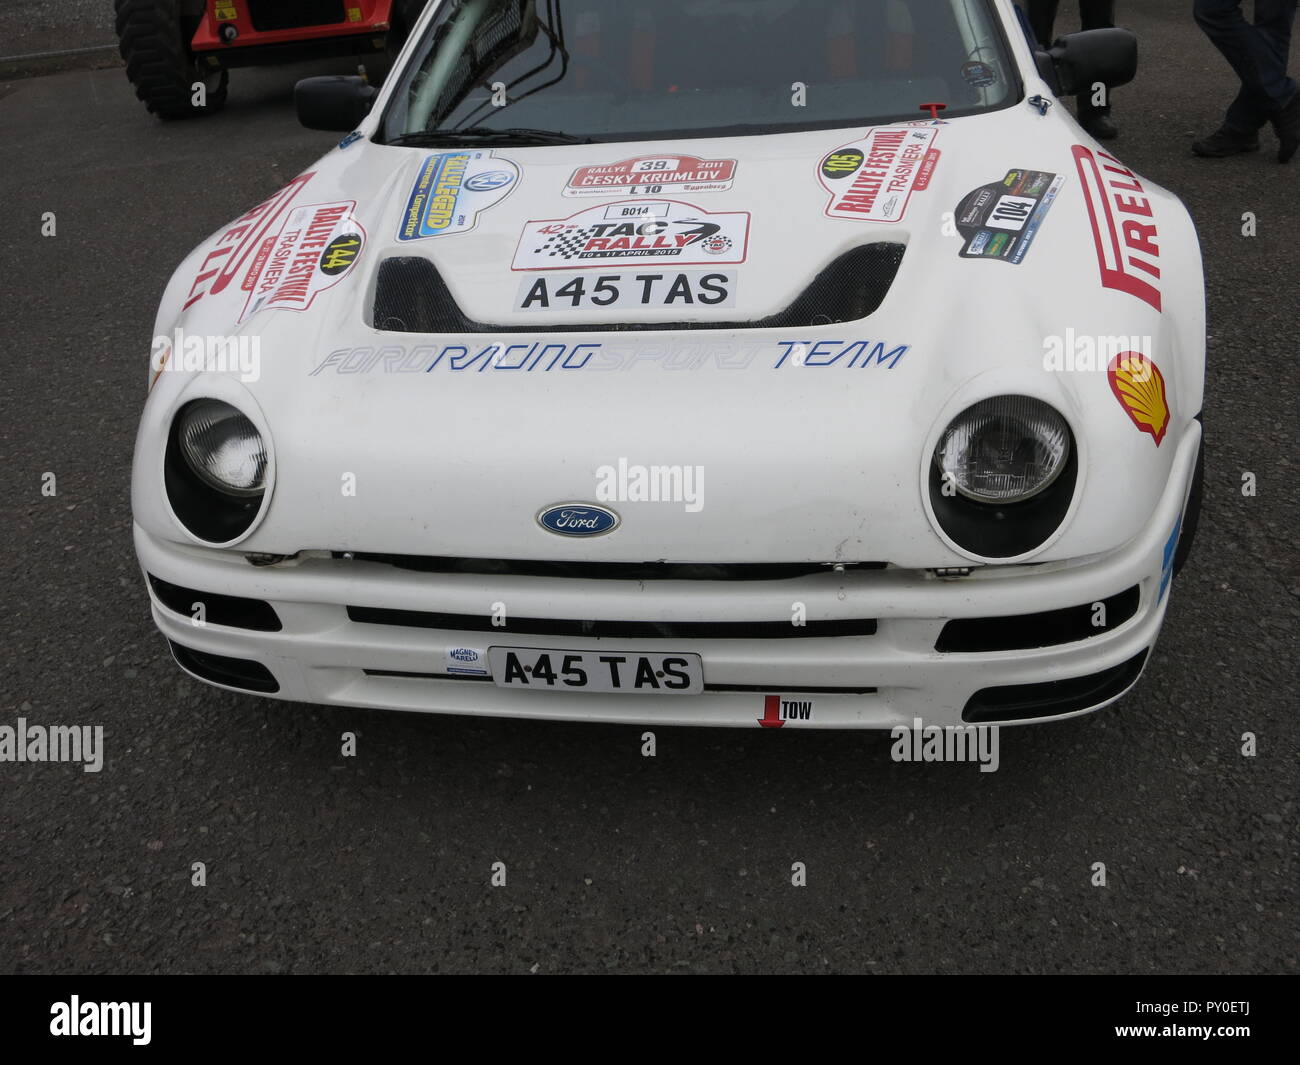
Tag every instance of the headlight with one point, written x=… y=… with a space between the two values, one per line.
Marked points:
x=1003 y=450
x=223 y=448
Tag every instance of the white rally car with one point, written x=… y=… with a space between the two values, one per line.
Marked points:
x=703 y=362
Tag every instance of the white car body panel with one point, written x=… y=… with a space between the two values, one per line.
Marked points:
x=804 y=463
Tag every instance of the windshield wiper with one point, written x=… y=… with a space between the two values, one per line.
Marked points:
x=512 y=135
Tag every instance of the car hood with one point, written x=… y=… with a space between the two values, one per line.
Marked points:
x=811 y=436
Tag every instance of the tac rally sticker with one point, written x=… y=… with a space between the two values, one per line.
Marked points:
x=648 y=231
x=451 y=190
x=316 y=246
x=653 y=175
x=1000 y=221
x=872 y=179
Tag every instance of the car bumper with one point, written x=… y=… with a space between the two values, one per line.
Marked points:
x=323 y=654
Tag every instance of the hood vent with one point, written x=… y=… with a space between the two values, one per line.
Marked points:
x=412 y=297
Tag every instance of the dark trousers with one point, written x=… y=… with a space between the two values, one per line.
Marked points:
x=1257 y=52
x=1096 y=15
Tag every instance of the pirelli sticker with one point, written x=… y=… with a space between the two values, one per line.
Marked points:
x=872 y=179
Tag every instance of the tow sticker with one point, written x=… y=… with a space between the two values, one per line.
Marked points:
x=1001 y=220
x=648 y=231
x=653 y=175
x=451 y=190
x=873 y=178
x=317 y=246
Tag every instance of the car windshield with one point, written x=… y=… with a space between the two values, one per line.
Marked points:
x=618 y=70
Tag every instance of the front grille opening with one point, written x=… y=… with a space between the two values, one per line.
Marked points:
x=412 y=297
x=627 y=630
x=232 y=672
x=1020 y=632
x=270 y=15
x=1020 y=702
x=613 y=571
x=230 y=610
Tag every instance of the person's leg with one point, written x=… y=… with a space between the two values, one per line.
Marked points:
x=1273 y=22
x=1244 y=48
x=1042 y=17
x=1096 y=15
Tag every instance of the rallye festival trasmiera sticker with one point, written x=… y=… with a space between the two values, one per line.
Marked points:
x=872 y=179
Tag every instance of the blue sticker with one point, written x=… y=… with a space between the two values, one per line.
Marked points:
x=1167 y=566
x=450 y=191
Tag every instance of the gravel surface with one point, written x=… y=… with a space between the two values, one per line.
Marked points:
x=615 y=862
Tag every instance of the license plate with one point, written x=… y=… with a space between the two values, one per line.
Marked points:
x=596 y=671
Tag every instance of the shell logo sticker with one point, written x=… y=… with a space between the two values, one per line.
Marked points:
x=1139 y=386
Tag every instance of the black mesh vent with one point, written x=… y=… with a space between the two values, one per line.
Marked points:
x=600 y=629
x=268 y=15
x=616 y=571
x=411 y=297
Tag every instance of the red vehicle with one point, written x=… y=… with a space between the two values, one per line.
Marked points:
x=172 y=47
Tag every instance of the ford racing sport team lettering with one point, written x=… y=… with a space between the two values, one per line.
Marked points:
x=545 y=357
x=1123 y=225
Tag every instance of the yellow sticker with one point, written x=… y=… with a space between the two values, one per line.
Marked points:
x=354 y=14
x=226 y=11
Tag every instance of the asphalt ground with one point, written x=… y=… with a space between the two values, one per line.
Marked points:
x=615 y=862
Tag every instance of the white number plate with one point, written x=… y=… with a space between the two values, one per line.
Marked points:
x=685 y=290
x=596 y=671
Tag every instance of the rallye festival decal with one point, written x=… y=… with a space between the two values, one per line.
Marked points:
x=1000 y=220
x=1139 y=386
x=315 y=248
x=647 y=231
x=1123 y=225
x=451 y=190
x=873 y=178
x=653 y=175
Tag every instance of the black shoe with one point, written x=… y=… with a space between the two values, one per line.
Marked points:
x=1286 y=124
x=1100 y=126
x=1225 y=141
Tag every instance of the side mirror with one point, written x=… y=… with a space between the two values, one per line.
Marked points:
x=1082 y=59
x=335 y=102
